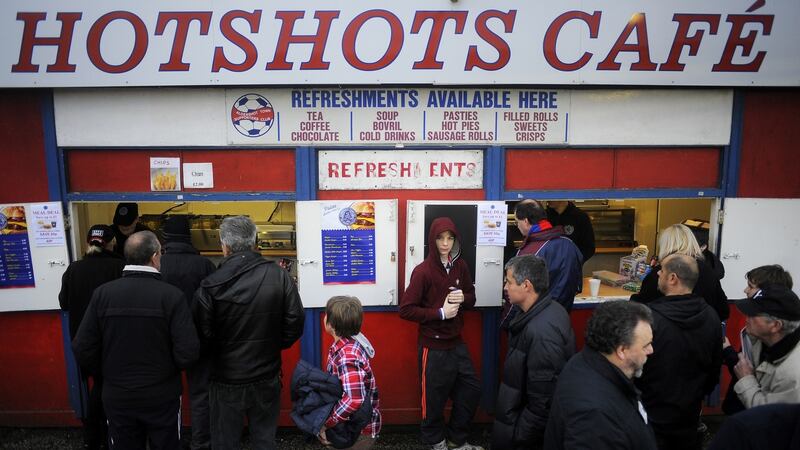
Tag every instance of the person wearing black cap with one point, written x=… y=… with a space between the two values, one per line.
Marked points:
x=126 y=222
x=183 y=267
x=771 y=374
x=98 y=266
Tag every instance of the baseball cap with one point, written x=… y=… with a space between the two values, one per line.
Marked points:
x=100 y=235
x=775 y=300
x=126 y=213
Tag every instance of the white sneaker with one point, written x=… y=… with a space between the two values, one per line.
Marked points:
x=440 y=446
x=464 y=446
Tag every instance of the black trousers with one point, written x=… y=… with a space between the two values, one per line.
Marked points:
x=95 y=430
x=198 y=377
x=132 y=428
x=447 y=374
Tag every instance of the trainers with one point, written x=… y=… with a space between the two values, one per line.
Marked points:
x=440 y=446
x=464 y=446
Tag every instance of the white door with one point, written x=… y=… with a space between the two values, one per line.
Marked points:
x=347 y=247
x=756 y=232
x=33 y=256
x=485 y=260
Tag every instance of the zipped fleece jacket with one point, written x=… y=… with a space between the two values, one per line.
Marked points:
x=430 y=283
x=564 y=263
x=246 y=313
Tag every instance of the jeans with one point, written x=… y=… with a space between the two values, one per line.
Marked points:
x=230 y=403
x=134 y=428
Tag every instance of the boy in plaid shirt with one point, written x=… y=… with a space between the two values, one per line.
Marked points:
x=348 y=358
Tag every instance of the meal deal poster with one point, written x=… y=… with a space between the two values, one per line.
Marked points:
x=47 y=224
x=16 y=265
x=492 y=220
x=348 y=242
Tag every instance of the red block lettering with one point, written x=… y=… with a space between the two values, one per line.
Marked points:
x=318 y=41
x=30 y=40
x=639 y=24
x=351 y=33
x=683 y=40
x=735 y=39
x=503 y=51
x=139 y=42
x=333 y=170
x=438 y=21
x=220 y=61
x=551 y=39
x=182 y=22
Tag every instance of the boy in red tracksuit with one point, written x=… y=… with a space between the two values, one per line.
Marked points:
x=440 y=288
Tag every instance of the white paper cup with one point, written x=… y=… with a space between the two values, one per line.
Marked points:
x=594 y=287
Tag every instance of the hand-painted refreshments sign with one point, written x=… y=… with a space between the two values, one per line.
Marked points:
x=324 y=42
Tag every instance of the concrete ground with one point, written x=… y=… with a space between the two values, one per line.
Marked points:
x=392 y=437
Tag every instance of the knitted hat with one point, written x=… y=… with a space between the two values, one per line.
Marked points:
x=126 y=214
x=176 y=228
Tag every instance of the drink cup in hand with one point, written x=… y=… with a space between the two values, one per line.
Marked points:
x=455 y=296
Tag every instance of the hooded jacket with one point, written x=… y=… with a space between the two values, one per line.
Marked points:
x=81 y=279
x=564 y=263
x=708 y=286
x=684 y=366
x=246 y=313
x=540 y=343
x=776 y=378
x=430 y=283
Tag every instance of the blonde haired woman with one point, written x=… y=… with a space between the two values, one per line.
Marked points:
x=679 y=238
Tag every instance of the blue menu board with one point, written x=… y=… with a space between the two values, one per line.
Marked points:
x=348 y=243
x=16 y=265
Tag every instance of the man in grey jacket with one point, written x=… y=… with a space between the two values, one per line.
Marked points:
x=247 y=312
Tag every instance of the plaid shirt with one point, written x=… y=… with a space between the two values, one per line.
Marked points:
x=348 y=360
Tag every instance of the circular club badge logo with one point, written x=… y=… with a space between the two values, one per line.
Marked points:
x=569 y=229
x=347 y=216
x=252 y=115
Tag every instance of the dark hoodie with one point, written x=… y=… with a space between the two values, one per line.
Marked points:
x=430 y=283
x=246 y=313
x=684 y=366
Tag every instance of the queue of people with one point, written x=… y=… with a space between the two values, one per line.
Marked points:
x=639 y=382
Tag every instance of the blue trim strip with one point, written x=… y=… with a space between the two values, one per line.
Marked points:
x=351 y=125
x=305 y=173
x=490 y=358
x=424 y=125
x=311 y=341
x=76 y=389
x=279 y=126
x=614 y=193
x=50 y=146
x=566 y=129
x=177 y=196
x=494 y=164
x=734 y=150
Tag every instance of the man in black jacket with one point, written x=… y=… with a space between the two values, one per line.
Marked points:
x=183 y=267
x=540 y=342
x=595 y=405
x=687 y=355
x=100 y=265
x=139 y=333
x=247 y=312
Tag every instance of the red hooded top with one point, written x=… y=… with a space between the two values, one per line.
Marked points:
x=428 y=289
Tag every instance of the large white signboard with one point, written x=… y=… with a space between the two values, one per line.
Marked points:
x=398 y=116
x=400 y=169
x=480 y=42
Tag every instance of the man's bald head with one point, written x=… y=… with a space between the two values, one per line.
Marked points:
x=141 y=247
x=685 y=270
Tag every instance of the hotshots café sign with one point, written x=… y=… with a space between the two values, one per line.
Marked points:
x=481 y=42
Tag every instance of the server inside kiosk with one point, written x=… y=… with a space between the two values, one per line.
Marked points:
x=623 y=231
x=275 y=222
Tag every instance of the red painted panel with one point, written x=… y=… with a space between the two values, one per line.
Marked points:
x=111 y=170
x=289 y=359
x=548 y=169
x=667 y=168
x=248 y=170
x=403 y=196
x=579 y=317
x=33 y=391
x=770 y=133
x=129 y=170
x=24 y=170
x=396 y=363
